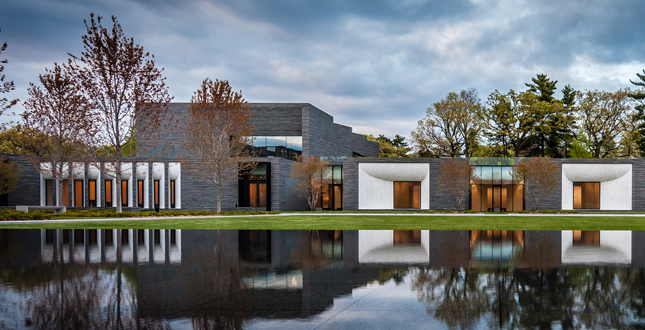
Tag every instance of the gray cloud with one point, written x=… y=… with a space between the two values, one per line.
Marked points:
x=374 y=65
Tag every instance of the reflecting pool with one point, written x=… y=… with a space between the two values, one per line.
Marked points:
x=350 y=279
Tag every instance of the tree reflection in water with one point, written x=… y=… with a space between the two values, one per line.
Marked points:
x=86 y=297
x=592 y=297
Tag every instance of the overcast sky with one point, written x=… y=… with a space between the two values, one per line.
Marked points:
x=374 y=65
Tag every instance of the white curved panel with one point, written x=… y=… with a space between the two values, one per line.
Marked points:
x=173 y=170
x=594 y=172
x=157 y=171
x=376 y=183
x=142 y=171
x=396 y=172
x=126 y=171
x=93 y=172
x=109 y=171
x=615 y=184
x=78 y=171
x=47 y=171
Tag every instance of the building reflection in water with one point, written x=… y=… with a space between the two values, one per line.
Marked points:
x=596 y=247
x=393 y=246
x=231 y=278
x=101 y=245
x=496 y=244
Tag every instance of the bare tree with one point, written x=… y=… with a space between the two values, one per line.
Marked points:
x=540 y=176
x=454 y=180
x=450 y=127
x=217 y=133
x=310 y=172
x=123 y=84
x=5 y=86
x=9 y=175
x=61 y=123
x=603 y=116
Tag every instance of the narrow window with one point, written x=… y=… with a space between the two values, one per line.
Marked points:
x=92 y=192
x=49 y=192
x=124 y=192
x=108 y=193
x=140 y=193
x=156 y=193
x=65 y=193
x=172 y=194
x=78 y=193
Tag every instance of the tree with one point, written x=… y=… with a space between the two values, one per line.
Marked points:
x=555 y=134
x=310 y=172
x=602 y=116
x=5 y=86
x=391 y=148
x=510 y=121
x=639 y=116
x=217 y=132
x=9 y=175
x=60 y=123
x=123 y=84
x=540 y=179
x=450 y=127
x=454 y=180
x=18 y=140
x=544 y=86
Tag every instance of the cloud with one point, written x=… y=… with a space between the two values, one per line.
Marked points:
x=373 y=65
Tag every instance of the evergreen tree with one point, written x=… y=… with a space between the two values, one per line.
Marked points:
x=543 y=86
x=639 y=116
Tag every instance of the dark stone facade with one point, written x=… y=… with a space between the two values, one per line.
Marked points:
x=439 y=200
x=28 y=191
x=321 y=137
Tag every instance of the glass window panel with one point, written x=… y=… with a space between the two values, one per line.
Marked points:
x=294 y=142
x=274 y=141
x=140 y=193
x=260 y=141
x=586 y=195
x=497 y=175
x=65 y=193
x=407 y=195
x=92 y=192
x=78 y=193
x=487 y=174
x=507 y=175
x=108 y=193
x=262 y=195
x=253 y=195
x=338 y=174
x=124 y=193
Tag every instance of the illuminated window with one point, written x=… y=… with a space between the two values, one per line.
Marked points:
x=586 y=195
x=108 y=193
x=92 y=192
x=124 y=192
x=65 y=193
x=49 y=192
x=156 y=191
x=407 y=195
x=78 y=193
x=140 y=193
x=172 y=194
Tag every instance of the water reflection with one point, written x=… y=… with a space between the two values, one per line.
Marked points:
x=229 y=279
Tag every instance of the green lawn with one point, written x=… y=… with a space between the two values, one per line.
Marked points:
x=321 y=221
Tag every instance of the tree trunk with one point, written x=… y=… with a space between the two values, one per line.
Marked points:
x=59 y=192
x=219 y=198
x=119 y=193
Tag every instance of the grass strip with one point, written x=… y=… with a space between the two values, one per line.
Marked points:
x=353 y=222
